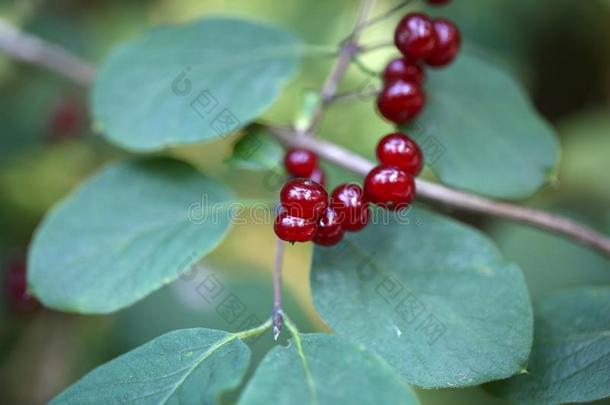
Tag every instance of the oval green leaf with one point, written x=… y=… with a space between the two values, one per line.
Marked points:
x=324 y=369
x=433 y=297
x=479 y=132
x=188 y=366
x=192 y=82
x=570 y=360
x=129 y=230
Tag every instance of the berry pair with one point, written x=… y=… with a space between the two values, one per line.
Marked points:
x=302 y=202
x=392 y=184
x=419 y=39
x=308 y=214
x=436 y=42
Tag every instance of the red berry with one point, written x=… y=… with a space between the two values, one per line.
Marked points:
x=318 y=176
x=438 y=2
x=300 y=162
x=67 y=120
x=293 y=229
x=303 y=198
x=16 y=288
x=447 y=44
x=389 y=187
x=403 y=69
x=400 y=101
x=400 y=151
x=328 y=230
x=348 y=201
x=414 y=36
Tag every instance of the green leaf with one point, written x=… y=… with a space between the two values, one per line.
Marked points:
x=479 y=132
x=430 y=295
x=188 y=366
x=193 y=82
x=570 y=360
x=257 y=150
x=324 y=369
x=126 y=232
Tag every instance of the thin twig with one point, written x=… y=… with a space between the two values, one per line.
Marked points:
x=31 y=49
x=375 y=47
x=365 y=69
x=456 y=199
x=426 y=190
x=384 y=15
x=357 y=94
x=277 y=289
x=348 y=49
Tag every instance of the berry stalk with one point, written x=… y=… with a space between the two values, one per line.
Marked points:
x=349 y=49
x=276 y=315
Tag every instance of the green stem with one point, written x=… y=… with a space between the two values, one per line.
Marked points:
x=365 y=69
x=384 y=15
x=375 y=47
x=256 y=331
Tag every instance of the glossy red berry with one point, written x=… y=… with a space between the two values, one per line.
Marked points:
x=303 y=198
x=400 y=151
x=400 y=101
x=300 y=162
x=389 y=187
x=318 y=176
x=403 y=69
x=16 y=288
x=438 y=2
x=348 y=201
x=447 y=44
x=414 y=36
x=328 y=228
x=293 y=229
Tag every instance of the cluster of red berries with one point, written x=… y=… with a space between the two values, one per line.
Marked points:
x=420 y=40
x=307 y=213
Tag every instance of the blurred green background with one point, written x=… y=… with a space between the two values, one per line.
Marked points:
x=558 y=49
